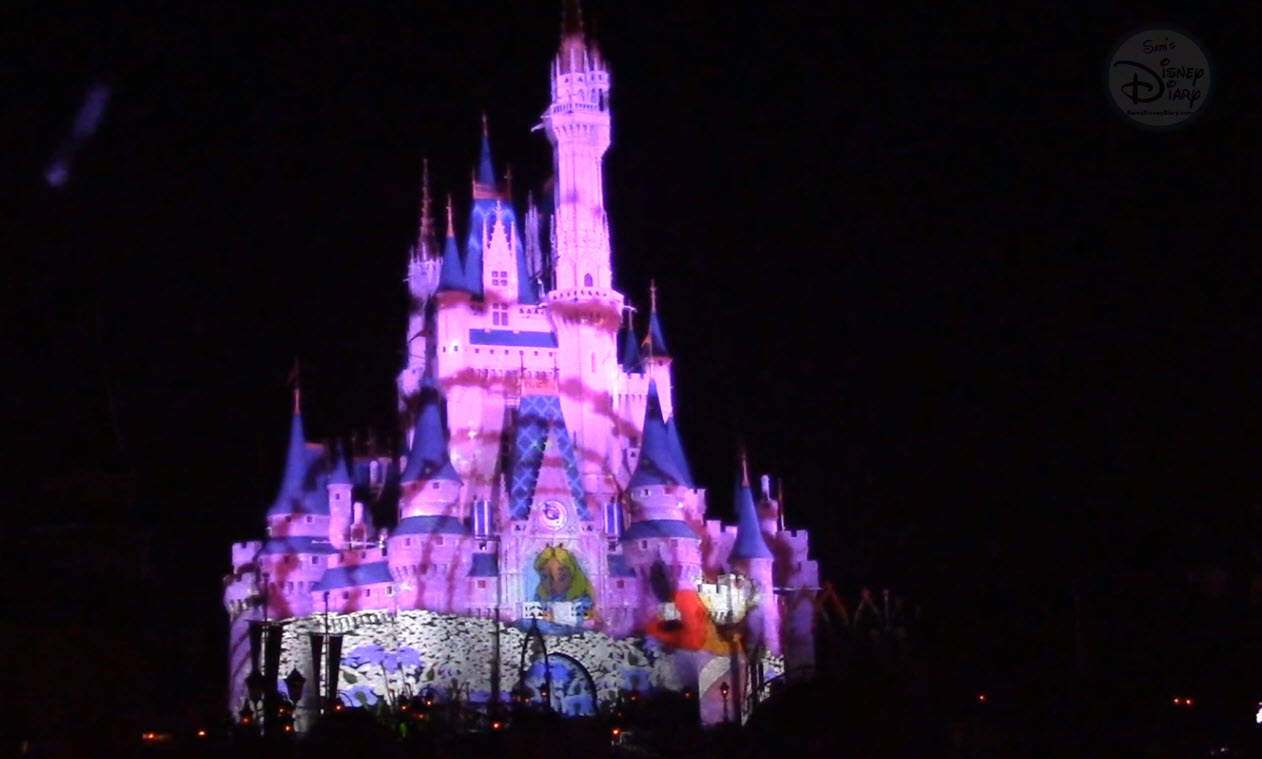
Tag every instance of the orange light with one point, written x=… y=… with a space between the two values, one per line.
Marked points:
x=495 y=726
x=1187 y=702
x=616 y=732
x=981 y=697
x=201 y=733
x=1178 y=701
x=289 y=728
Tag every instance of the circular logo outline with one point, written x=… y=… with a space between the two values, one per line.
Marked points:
x=1210 y=66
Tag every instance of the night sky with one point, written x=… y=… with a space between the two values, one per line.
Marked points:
x=992 y=336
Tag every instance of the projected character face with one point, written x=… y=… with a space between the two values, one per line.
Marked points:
x=560 y=576
x=555 y=578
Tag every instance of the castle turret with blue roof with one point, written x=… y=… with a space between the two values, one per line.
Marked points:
x=424 y=274
x=751 y=557
x=291 y=559
x=655 y=359
x=659 y=489
x=431 y=521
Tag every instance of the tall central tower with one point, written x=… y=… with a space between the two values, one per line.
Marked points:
x=577 y=123
x=583 y=307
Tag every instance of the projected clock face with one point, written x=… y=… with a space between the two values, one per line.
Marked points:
x=552 y=514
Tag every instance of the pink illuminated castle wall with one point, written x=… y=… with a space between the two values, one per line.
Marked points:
x=543 y=472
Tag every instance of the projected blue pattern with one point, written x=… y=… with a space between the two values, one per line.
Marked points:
x=537 y=416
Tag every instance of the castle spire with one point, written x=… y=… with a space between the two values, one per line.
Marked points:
x=749 y=543
x=630 y=347
x=654 y=339
x=486 y=170
x=425 y=230
x=744 y=466
x=291 y=497
x=659 y=462
x=451 y=278
x=429 y=459
x=296 y=386
x=340 y=474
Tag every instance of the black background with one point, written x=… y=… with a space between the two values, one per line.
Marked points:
x=994 y=338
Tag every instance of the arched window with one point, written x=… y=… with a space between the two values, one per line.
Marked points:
x=587 y=280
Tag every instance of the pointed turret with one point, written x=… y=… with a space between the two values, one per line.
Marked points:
x=486 y=169
x=452 y=278
x=630 y=349
x=677 y=449
x=428 y=459
x=749 y=542
x=297 y=481
x=660 y=462
x=654 y=342
x=339 y=489
x=425 y=244
x=340 y=475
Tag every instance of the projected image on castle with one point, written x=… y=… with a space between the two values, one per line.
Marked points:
x=541 y=487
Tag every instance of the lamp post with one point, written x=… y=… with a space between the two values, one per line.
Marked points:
x=724 y=689
x=254 y=695
x=327 y=695
x=293 y=684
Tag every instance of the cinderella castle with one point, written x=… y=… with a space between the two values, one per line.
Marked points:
x=543 y=474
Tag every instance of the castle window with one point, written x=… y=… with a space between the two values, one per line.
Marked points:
x=315 y=560
x=619 y=585
x=389 y=590
x=644 y=544
x=438 y=540
x=587 y=280
x=435 y=485
x=346 y=595
x=674 y=543
x=499 y=279
x=368 y=592
x=407 y=541
x=499 y=315
x=481 y=584
x=477 y=350
x=310 y=519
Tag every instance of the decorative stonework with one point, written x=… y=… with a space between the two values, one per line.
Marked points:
x=385 y=655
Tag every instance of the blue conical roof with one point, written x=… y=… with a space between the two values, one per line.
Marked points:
x=656 y=342
x=630 y=358
x=486 y=169
x=479 y=216
x=340 y=475
x=301 y=488
x=749 y=540
x=658 y=464
x=677 y=448
x=451 y=276
x=428 y=459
